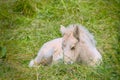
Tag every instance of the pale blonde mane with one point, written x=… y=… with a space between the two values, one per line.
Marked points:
x=84 y=34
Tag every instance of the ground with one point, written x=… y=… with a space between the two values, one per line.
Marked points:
x=26 y=24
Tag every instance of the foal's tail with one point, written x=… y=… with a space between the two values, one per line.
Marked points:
x=32 y=63
x=35 y=62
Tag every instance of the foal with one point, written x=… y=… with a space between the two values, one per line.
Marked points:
x=76 y=45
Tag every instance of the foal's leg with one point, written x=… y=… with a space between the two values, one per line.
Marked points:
x=44 y=57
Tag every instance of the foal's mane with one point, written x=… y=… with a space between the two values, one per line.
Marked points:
x=82 y=33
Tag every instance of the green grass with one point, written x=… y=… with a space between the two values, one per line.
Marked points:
x=26 y=24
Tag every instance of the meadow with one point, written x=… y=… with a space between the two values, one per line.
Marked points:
x=25 y=25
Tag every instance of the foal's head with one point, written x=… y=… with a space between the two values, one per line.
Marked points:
x=69 y=42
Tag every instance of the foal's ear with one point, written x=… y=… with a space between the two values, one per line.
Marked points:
x=76 y=32
x=62 y=29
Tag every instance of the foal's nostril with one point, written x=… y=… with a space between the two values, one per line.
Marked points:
x=69 y=62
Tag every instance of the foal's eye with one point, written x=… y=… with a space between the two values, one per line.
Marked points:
x=72 y=48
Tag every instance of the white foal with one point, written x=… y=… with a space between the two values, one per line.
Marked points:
x=76 y=45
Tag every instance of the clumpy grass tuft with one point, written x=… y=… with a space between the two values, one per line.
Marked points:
x=25 y=25
x=27 y=8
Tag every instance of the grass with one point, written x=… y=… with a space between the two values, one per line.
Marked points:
x=26 y=24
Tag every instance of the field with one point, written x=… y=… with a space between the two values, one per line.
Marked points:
x=25 y=25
